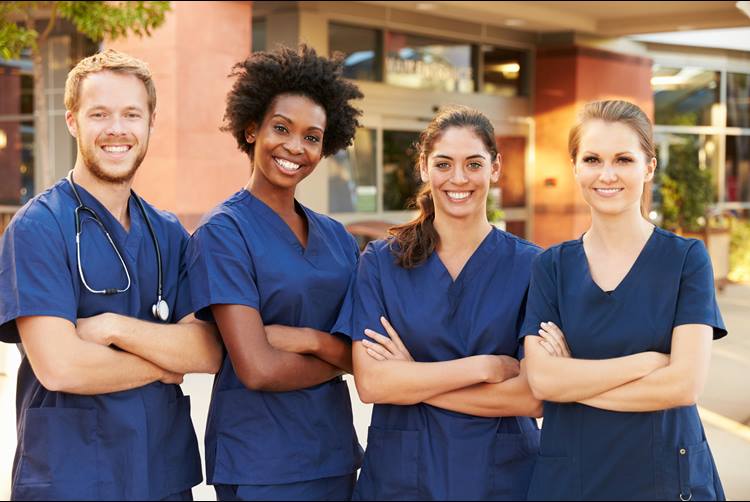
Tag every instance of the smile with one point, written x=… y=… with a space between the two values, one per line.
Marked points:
x=608 y=192
x=458 y=196
x=116 y=148
x=286 y=165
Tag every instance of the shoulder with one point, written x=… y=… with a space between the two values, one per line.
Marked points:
x=43 y=211
x=165 y=220
x=676 y=243
x=329 y=225
x=550 y=258
x=521 y=246
x=226 y=213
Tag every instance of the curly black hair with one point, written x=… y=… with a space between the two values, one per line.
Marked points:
x=265 y=75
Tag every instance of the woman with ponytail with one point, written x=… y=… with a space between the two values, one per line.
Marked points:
x=435 y=314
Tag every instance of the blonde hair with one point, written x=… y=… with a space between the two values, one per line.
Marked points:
x=614 y=111
x=109 y=60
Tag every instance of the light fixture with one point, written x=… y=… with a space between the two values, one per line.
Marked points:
x=3 y=139
x=514 y=22
x=426 y=6
x=744 y=7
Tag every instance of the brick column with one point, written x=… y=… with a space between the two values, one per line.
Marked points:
x=566 y=79
x=191 y=166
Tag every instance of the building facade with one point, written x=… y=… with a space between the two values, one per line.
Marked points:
x=528 y=66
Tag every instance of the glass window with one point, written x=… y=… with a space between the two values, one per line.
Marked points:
x=362 y=48
x=504 y=72
x=738 y=100
x=352 y=176
x=400 y=178
x=16 y=162
x=686 y=163
x=258 y=34
x=513 y=173
x=685 y=96
x=426 y=63
x=737 y=168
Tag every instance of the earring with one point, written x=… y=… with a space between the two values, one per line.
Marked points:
x=250 y=138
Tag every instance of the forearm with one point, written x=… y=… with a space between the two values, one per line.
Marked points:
x=280 y=371
x=510 y=398
x=320 y=344
x=333 y=350
x=661 y=390
x=408 y=382
x=186 y=347
x=90 y=369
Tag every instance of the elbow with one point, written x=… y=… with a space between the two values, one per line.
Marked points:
x=254 y=378
x=58 y=378
x=540 y=388
x=688 y=394
x=535 y=408
x=367 y=394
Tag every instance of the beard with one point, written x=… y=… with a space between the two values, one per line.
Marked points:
x=95 y=168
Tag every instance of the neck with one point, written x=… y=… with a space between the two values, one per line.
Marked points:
x=113 y=196
x=458 y=233
x=279 y=199
x=619 y=231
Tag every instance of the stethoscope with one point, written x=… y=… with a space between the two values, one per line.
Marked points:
x=160 y=309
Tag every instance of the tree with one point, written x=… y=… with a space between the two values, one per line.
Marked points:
x=97 y=20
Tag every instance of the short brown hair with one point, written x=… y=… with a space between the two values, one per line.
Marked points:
x=108 y=60
x=614 y=111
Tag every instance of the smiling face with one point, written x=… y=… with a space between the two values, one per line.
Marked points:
x=459 y=170
x=611 y=167
x=289 y=143
x=112 y=125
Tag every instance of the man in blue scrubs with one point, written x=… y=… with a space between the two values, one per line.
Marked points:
x=93 y=287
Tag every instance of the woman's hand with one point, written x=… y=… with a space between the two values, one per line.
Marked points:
x=385 y=348
x=553 y=340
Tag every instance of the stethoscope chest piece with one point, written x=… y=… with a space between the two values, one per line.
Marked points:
x=160 y=310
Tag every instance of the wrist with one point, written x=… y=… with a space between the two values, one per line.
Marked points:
x=314 y=341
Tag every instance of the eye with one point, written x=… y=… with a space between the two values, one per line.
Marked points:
x=475 y=165
x=313 y=139
x=280 y=128
x=97 y=115
x=134 y=115
x=442 y=165
x=624 y=160
x=590 y=160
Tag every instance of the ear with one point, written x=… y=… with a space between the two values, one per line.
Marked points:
x=574 y=166
x=70 y=121
x=152 y=121
x=423 y=171
x=497 y=166
x=250 y=132
x=650 y=169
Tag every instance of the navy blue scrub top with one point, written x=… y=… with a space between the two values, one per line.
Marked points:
x=421 y=452
x=593 y=454
x=135 y=444
x=245 y=254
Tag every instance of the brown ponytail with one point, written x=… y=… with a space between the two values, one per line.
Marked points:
x=413 y=242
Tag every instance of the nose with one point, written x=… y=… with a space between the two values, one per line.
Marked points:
x=294 y=146
x=115 y=126
x=459 y=176
x=608 y=173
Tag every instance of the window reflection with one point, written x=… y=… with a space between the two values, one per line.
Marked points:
x=362 y=48
x=16 y=131
x=400 y=179
x=504 y=72
x=260 y=27
x=737 y=168
x=738 y=100
x=685 y=96
x=427 y=63
x=352 y=175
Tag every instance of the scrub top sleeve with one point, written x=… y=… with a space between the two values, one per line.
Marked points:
x=541 y=301
x=368 y=303
x=35 y=279
x=343 y=324
x=696 y=298
x=220 y=270
x=183 y=306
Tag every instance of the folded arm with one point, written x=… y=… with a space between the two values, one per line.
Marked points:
x=63 y=362
x=677 y=384
x=320 y=344
x=190 y=346
x=566 y=379
x=259 y=365
x=512 y=397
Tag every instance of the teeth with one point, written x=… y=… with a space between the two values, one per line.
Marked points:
x=286 y=165
x=458 y=195
x=116 y=149
x=608 y=190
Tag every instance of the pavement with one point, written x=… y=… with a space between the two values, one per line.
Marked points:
x=724 y=405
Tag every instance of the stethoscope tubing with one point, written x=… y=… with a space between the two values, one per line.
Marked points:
x=160 y=309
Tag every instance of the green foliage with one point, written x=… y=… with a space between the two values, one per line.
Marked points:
x=686 y=189
x=96 y=20
x=494 y=213
x=739 y=251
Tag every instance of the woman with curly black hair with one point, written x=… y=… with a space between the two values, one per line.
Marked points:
x=273 y=275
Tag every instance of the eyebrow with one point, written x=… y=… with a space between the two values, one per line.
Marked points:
x=104 y=107
x=618 y=153
x=443 y=156
x=292 y=122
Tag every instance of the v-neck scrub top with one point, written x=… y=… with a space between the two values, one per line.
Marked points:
x=131 y=445
x=593 y=454
x=245 y=254
x=421 y=452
